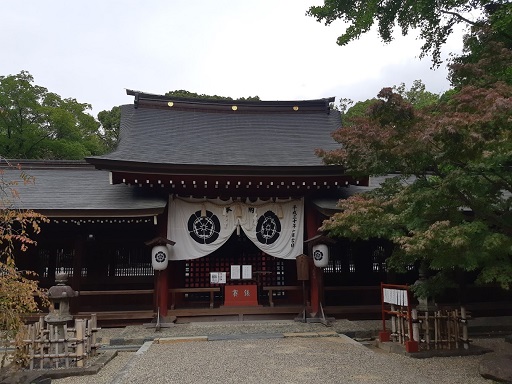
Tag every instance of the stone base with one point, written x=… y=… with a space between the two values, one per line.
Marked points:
x=498 y=368
x=45 y=376
x=26 y=377
x=400 y=349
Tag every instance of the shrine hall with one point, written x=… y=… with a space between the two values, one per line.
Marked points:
x=207 y=208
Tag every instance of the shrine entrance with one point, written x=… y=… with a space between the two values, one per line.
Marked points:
x=266 y=271
x=233 y=253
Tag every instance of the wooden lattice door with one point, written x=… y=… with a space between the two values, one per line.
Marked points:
x=238 y=250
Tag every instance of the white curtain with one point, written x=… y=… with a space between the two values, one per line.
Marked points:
x=200 y=226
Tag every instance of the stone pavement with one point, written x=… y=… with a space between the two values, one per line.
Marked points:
x=215 y=330
x=357 y=329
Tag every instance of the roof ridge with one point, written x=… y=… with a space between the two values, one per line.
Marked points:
x=43 y=163
x=143 y=99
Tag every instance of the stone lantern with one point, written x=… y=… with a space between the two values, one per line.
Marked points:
x=425 y=304
x=59 y=296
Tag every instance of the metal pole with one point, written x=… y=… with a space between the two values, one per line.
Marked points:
x=303 y=301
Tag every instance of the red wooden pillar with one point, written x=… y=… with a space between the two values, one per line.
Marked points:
x=315 y=274
x=162 y=276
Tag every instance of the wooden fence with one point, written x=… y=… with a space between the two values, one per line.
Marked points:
x=441 y=329
x=51 y=346
x=421 y=330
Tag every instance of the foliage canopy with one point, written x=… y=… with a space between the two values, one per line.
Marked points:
x=447 y=201
x=193 y=95
x=111 y=124
x=38 y=124
x=435 y=19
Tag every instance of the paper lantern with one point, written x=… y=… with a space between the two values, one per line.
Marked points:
x=159 y=257
x=321 y=255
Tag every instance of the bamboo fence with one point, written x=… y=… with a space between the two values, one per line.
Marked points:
x=48 y=346
x=440 y=329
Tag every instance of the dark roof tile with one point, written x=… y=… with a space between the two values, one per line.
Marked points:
x=80 y=189
x=183 y=137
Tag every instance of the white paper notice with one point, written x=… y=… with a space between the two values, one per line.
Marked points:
x=222 y=277
x=214 y=278
x=235 y=272
x=246 y=271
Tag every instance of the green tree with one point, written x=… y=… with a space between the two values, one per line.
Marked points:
x=449 y=205
x=350 y=110
x=417 y=95
x=483 y=60
x=38 y=124
x=192 y=95
x=434 y=19
x=110 y=124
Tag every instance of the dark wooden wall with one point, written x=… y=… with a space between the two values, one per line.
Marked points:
x=97 y=255
x=112 y=256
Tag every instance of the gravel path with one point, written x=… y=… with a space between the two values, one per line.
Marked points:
x=286 y=360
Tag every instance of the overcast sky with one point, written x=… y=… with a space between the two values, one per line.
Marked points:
x=93 y=50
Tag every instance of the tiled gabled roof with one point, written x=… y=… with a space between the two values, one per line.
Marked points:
x=162 y=130
x=77 y=189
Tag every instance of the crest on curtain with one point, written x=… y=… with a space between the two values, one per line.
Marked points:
x=199 y=226
x=203 y=229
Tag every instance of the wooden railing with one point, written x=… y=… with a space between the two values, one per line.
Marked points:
x=353 y=288
x=211 y=290
x=118 y=292
x=273 y=288
x=123 y=314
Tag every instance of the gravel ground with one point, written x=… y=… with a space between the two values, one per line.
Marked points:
x=285 y=360
x=290 y=360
